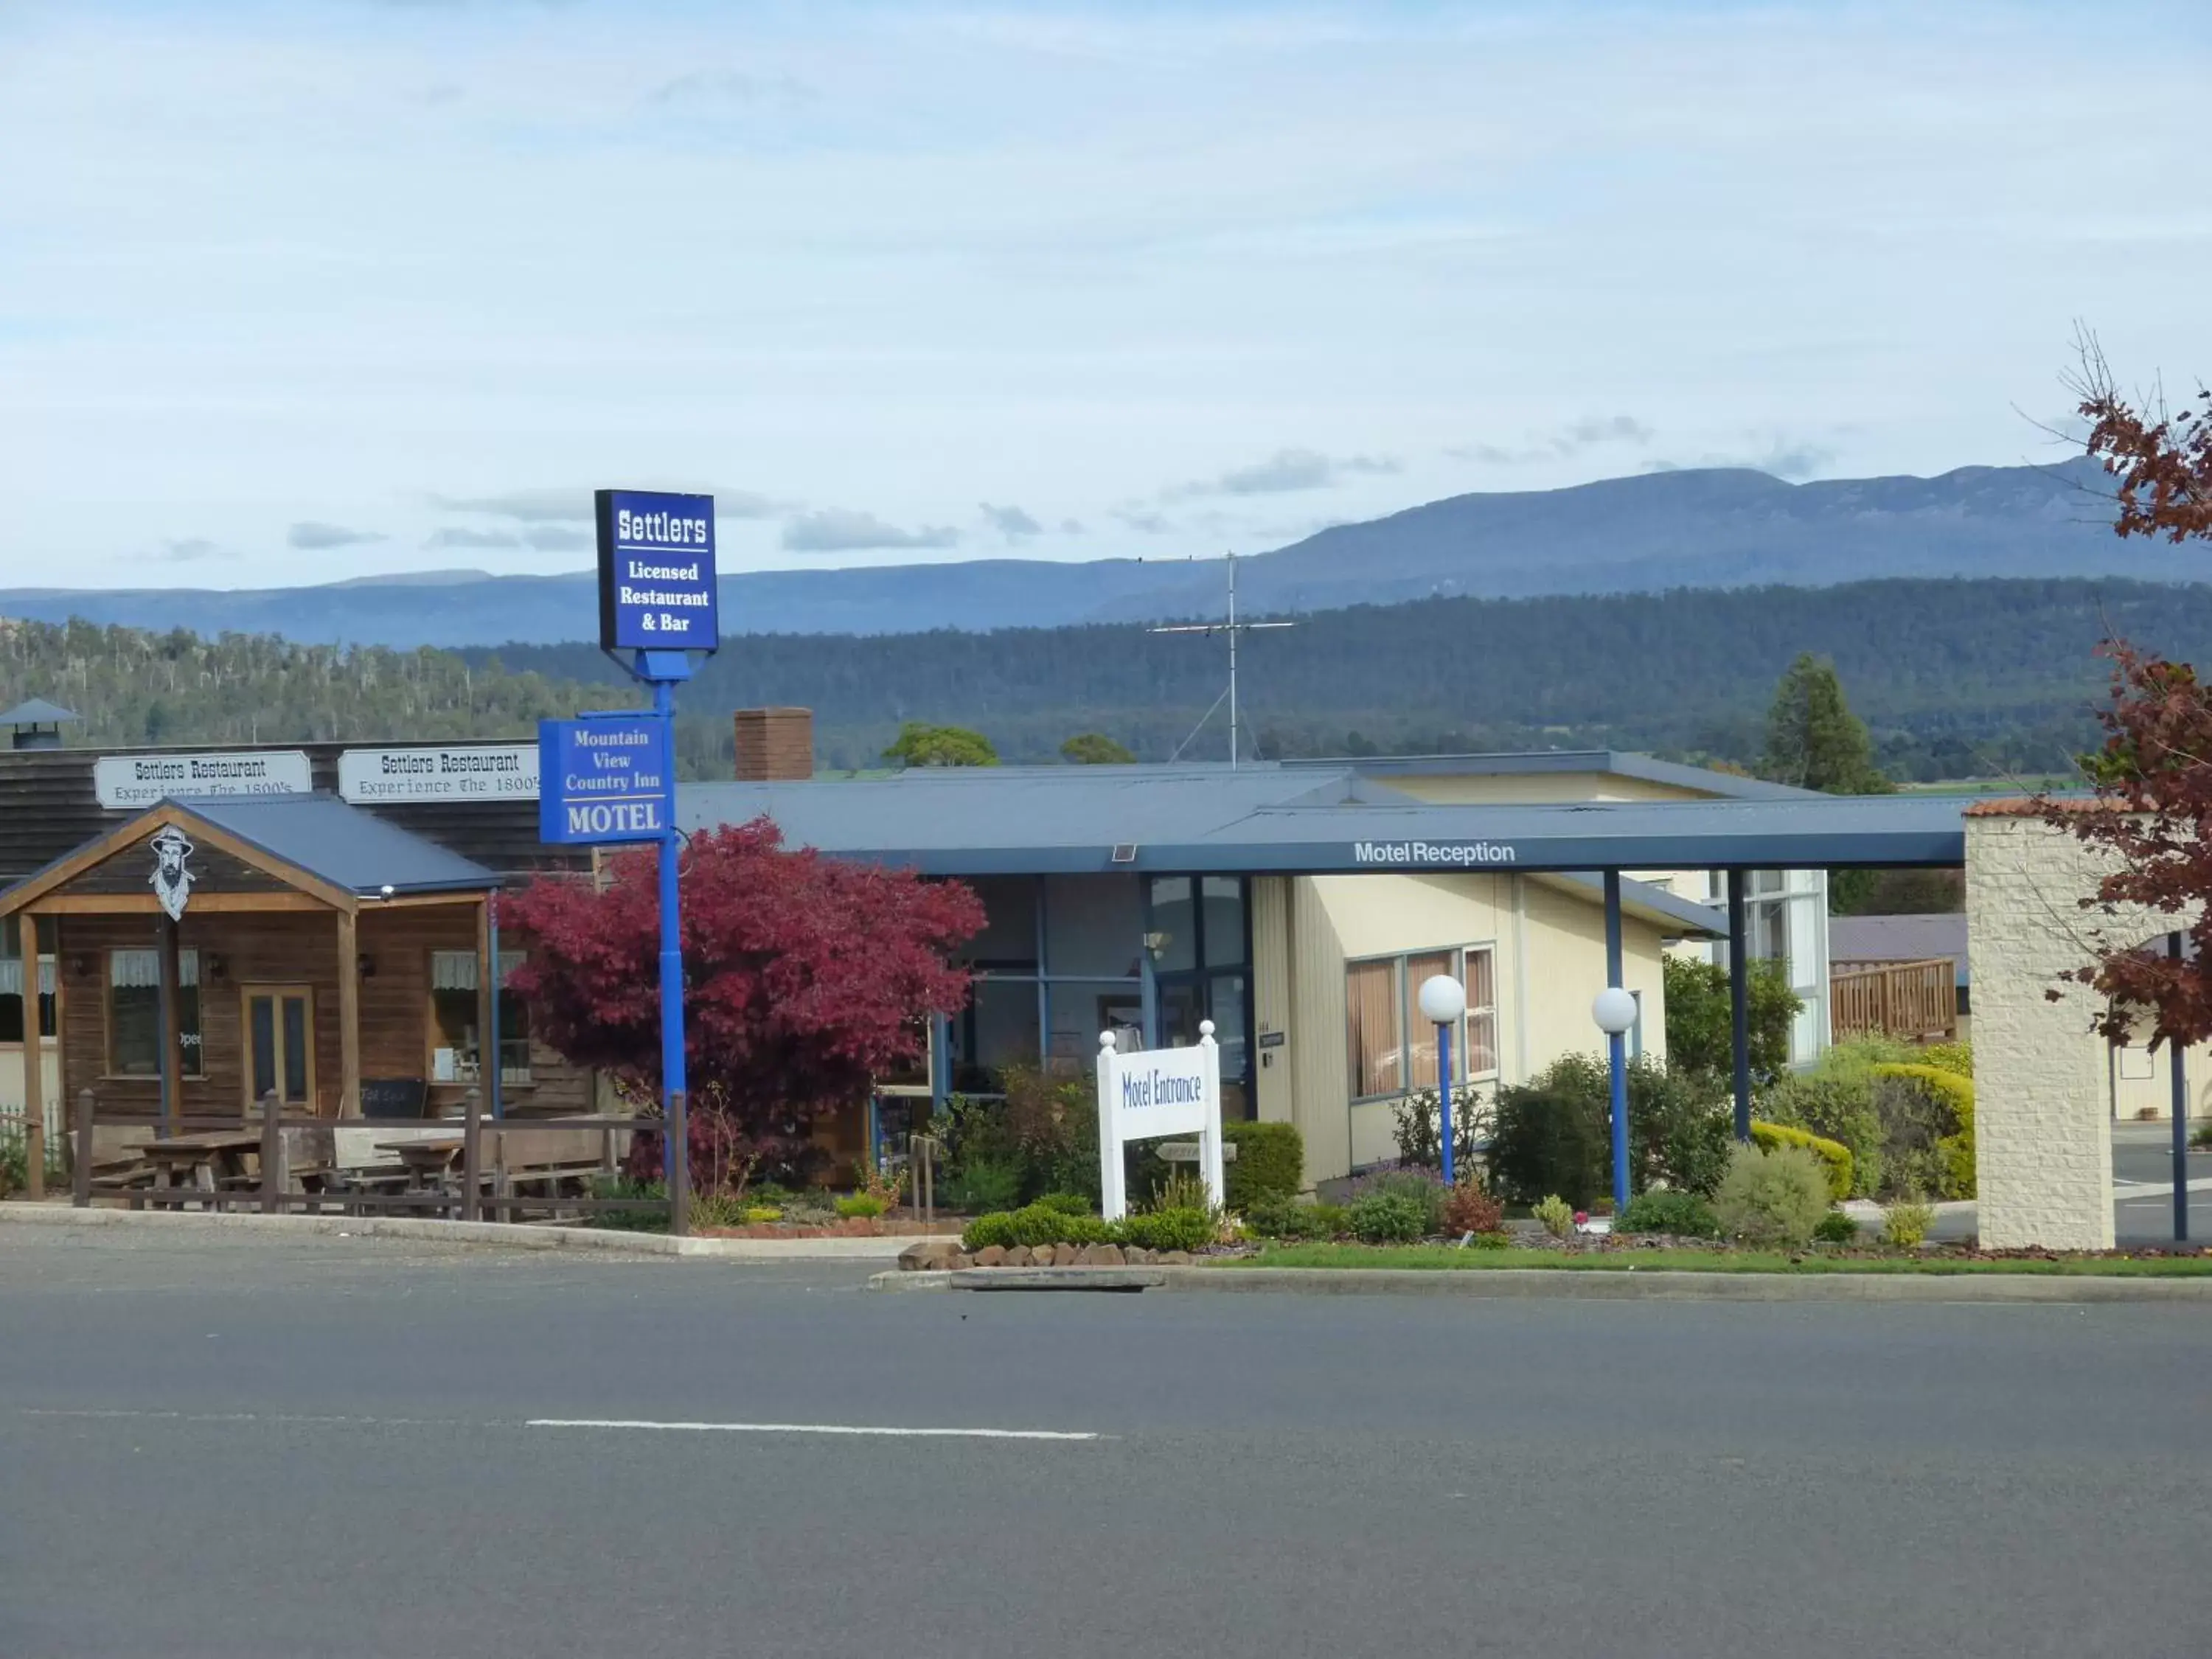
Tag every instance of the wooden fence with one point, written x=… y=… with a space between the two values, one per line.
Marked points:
x=501 y=1190
x=1917 y=1001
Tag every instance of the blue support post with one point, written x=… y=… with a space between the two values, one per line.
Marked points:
x=2177 y=1061
x=676 y=1155
x=1739 y=1003
x=1617 y=1044
x=495 y=1075
x=1443 y=1094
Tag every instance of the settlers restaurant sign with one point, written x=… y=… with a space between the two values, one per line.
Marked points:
x=479 y=771
x=132 y=781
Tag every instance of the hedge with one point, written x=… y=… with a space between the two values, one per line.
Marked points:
x=1835 y=1156
x=1042 y=1224
x=1956 y=1091
x=1270 y=1163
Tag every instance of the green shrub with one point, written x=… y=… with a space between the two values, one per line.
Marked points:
x=1289 y=1218
x=1953 y=1146
x=1907 y=1225
x=1388 y=1218
x=1270 y=1163
x=980 y=1184
x=1665 y=1210
x=1034 y=1225
x=1169 y=1230
x=1556 y=1215
x=985 y=1230
x=1957 y=1058
x=1182 y=1189
x=1419 y=1188
x=1068 y=1204
x=1835 y=1156
x=1551 y=1132
x=1331 y=1221
x=1836 y=1228
x=855 y=1207
x=1468 y=1209
x=1838 y=1108
x=1420 y=1118
x=1699 y=1032
x=1499 y=1240
x=1772 y=1198
x=1554 y=1133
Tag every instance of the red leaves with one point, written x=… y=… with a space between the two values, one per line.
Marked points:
x=803 y=977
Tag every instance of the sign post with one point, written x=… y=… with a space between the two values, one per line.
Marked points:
x=612 y=777
x=1157 y=1091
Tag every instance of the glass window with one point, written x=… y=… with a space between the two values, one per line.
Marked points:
x=1421 y=1051
x=1224 y=900
x=1094 y=926
x=999 y=1028
x=134 y=1013
x=456 y=1057
x=1008 y=941
x=1375 y=1028
x=1481 y=1045
x=1226 y=1002
x=15 y=975
x=1173 y=924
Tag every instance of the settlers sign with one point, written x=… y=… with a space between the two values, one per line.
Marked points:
x=480 y=771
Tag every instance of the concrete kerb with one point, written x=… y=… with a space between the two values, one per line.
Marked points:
x=1604 y=1286
x=474 y=1234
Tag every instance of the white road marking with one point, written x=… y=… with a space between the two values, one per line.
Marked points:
x=806 y=1428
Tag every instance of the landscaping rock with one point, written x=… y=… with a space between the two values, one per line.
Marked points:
x=1174 y=1259
x=991 y=1255
x=958 y=1261
x=1018 y=1256
x=1065 y=1255
x=1105 y=1255
x=923 y=1252
x=1137 y=1257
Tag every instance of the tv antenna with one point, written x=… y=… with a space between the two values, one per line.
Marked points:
x=1232 y=628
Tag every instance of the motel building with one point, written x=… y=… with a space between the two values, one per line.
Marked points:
x=340 y=939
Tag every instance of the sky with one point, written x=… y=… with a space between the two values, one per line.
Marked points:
x=305 y=292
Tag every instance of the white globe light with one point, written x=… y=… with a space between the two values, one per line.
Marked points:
x=1443 y=998
x=1615 y=1010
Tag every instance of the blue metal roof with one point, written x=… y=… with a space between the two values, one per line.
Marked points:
x=1308 y=819
x=340 y=843
x=1540 y=762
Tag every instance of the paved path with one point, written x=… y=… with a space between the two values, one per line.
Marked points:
x=209 y=1447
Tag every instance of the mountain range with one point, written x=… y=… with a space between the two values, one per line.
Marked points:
x=1697 y=528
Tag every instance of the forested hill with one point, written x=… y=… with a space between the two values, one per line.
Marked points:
x=1957 y=677
x=131 y=686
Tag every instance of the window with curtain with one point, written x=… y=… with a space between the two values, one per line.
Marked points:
x=1391 y=1048
x=15 y=976
x=454 y=1019
x=1376 y=1027
x=134 y=1013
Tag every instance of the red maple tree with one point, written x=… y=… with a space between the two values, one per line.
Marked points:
x=805 y=978
x=2152 y=774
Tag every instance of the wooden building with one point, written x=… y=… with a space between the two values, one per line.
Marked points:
x=210 y=952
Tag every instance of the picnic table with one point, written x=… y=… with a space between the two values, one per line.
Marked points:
x=429 y=1162
x=202 y=1164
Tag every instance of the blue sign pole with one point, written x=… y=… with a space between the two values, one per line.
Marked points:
x=2177 y=1059
x=1443 y=1093
x=676 y=1155
x=1618 y=1048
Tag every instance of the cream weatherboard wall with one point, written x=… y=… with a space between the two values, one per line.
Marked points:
x=1549 y=963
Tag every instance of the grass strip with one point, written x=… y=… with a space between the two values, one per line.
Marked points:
x=1449 y=1258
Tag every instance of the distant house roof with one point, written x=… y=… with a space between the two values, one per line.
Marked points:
x=341 y=844
x=1539 y=762
x=37 y=712
x=1307 y=819
x=1899 y=939
x=332 y=844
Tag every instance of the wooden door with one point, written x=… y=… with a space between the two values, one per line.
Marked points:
x=278 y=1024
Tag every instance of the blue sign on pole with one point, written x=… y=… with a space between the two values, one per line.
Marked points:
x=657 y=589
x=603 y=780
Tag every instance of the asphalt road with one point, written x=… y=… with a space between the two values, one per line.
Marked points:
x=326 y=1448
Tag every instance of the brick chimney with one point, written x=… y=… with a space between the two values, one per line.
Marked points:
x=775 y=744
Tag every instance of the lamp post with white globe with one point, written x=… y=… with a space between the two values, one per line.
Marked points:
x=1615 y=1010
x=1443 y=999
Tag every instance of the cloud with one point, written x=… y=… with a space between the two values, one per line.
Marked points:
x=1071 y=527
x=1794 y=462
x=311 y=537
x=1012 y=522
x=1143 y=522
x=1285 y=470
x=559 y=538
x=461 y=536
x=722 y=90
x=1560 y=444
x=525 y=506
x=190 y=550
x=840 y=529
